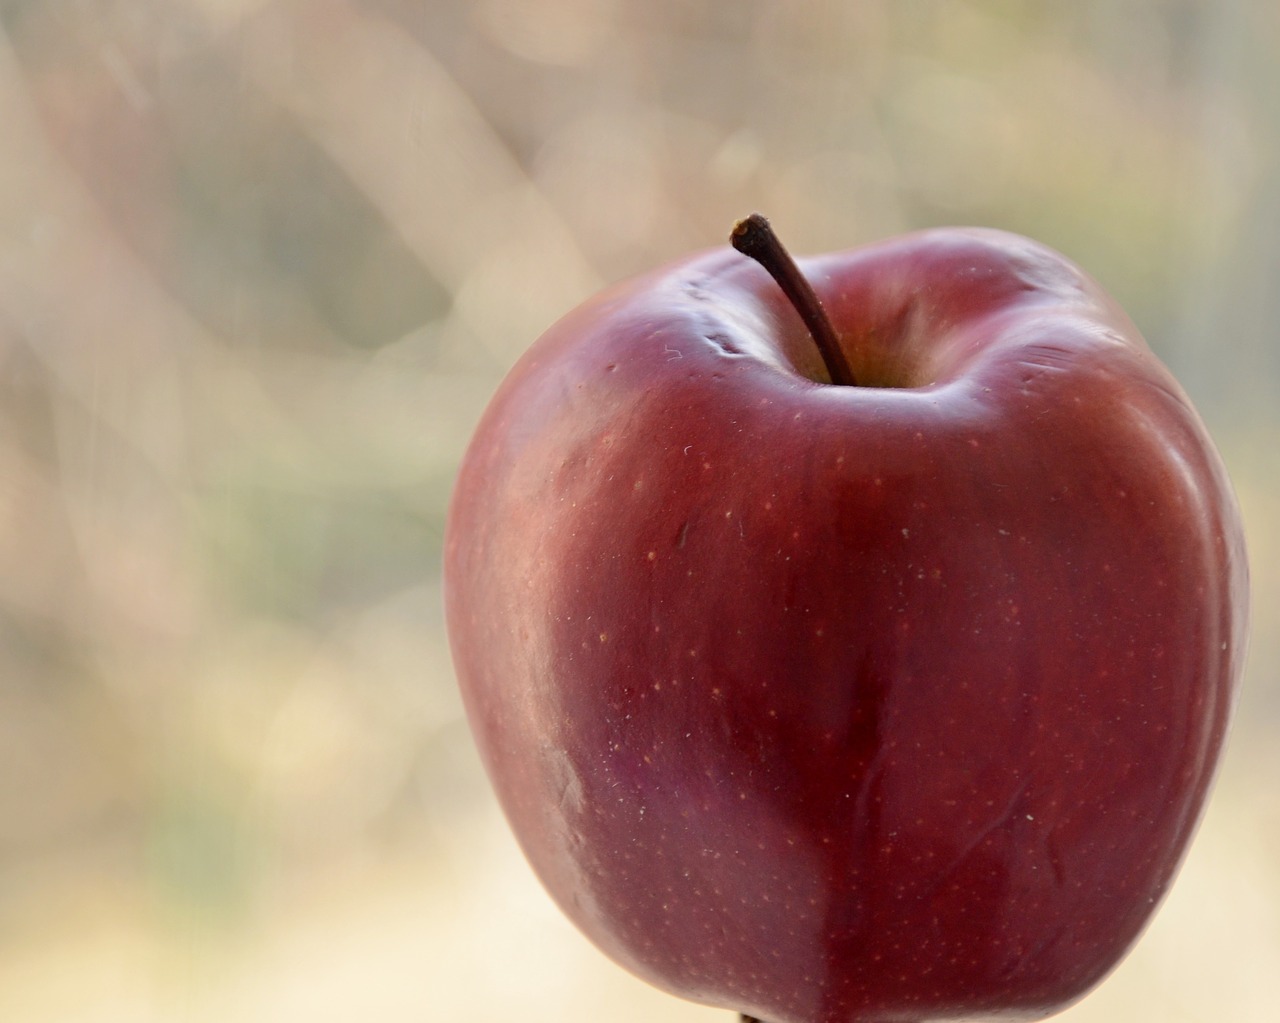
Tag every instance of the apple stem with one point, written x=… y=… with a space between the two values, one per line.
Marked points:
x=753 y=236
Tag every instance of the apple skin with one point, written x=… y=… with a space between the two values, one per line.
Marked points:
x=827 y=704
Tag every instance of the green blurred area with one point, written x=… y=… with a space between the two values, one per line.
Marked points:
x=261 y=265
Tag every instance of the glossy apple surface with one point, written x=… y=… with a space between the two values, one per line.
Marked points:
x=840 y=704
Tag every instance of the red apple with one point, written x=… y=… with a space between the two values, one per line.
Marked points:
x=888 y=702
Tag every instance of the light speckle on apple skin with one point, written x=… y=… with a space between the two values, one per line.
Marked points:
x=733 y=861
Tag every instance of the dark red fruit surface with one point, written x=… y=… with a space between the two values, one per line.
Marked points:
x=830 y=704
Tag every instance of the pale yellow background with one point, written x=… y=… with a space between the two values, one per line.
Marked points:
x=261 y=265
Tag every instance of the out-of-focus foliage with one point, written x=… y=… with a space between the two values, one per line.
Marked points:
x=262 y=263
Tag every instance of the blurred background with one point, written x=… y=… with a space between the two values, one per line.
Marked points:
x=262 y=264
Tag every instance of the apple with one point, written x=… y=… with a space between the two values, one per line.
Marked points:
x=892 y=698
